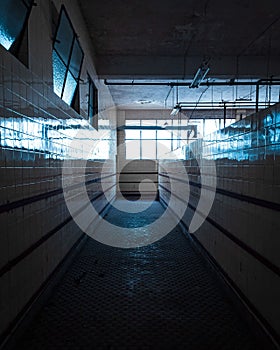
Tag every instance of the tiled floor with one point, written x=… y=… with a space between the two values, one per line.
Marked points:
x=161 y=296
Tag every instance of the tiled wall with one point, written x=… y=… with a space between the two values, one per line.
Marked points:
x=38 y=131
x=242 y=229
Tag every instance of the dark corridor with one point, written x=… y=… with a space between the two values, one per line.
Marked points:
x=162 y=296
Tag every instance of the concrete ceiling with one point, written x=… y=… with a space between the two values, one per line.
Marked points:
x=157 y=38
x=169 y=39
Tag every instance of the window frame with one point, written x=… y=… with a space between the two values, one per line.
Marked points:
x=16 y=47
x=141 y=128
x=73 y=103
x=92 y=103
x=176 y=140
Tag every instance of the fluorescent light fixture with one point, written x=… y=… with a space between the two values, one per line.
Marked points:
x=199 y=76
x=175 y=110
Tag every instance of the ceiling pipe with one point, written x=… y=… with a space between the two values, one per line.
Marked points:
x=219 y=105
x=207 y=83
x=249 y=102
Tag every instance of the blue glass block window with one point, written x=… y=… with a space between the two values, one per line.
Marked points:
x=67 y=59
x=13 y=19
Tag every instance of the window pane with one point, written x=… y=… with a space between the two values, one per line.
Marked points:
x=76 y=59
x=62 y=65
x=177 y=128
x=148 y=134
x=59 y=71
x=184 y=134
x=148 y=149
x=93 y=102
x=12 y=18
x=69 y=89
x=199 y=124
x=132 y=134
x=211 y=125
x=102 y=150
x=151 y=122
x=132 y=122
x=177 y=143
x=168 y=122
x=228 y=122
x=132 y=149
x=64 y=38
x=163 y=147
x=164 y=134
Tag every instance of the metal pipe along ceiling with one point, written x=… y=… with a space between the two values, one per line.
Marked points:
x=207 y=83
